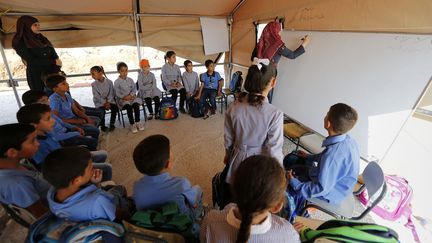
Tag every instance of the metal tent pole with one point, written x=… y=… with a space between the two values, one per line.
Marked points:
x=230 y=66
x=11 y=81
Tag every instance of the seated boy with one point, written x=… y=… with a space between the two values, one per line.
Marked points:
x=65 y=133
x=157 y=186
x=211 y=86
x=70 y=172
x=21 y=184
x=39 y=115
x=190 y=80
x=64 y=106
x=331 y=174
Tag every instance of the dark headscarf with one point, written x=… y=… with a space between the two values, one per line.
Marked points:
x=24 y=33
x=270 y=41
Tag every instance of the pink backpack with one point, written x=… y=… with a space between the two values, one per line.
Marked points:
x=396 y=202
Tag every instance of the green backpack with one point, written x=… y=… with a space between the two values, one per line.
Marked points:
x=348 y=231
x=167 y=218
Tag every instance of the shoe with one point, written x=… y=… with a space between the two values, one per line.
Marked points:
x=150 y=117
x=157 y=116
x=140 y=126
x=212 y=112
x=134 y=128
x=111 y=127
x=206 y=116
x=104 y=128
x=182 y=110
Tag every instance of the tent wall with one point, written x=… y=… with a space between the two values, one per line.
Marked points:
x=405 y=16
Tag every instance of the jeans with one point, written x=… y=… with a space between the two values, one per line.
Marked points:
x=90 y=130
x=106 y=170
x=211 y=95
x=99 y=156
x=89 y=142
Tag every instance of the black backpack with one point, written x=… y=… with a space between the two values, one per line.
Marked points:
x=195 y=108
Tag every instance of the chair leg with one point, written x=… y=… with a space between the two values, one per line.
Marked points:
x=122 y=118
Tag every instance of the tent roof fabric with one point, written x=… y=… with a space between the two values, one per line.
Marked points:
x=76 y=28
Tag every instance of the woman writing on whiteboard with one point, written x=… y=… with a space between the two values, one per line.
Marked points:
x=271 y=46
x=35 y=50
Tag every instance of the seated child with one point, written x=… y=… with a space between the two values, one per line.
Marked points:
x=157 y=186
x=125 y=90
x=259 y=189
x=103 y=96
x=147 y=88
x=64 y=106
x=172 y=79
x=65 y=133
x=39 y=115
x=331 y=174
x=70 y=171
x=21 y=184
x=211 y=87
x=190 y=80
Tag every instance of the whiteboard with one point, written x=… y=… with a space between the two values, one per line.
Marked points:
x=215 y=35
x=381 y=75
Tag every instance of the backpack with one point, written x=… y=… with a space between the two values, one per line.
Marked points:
x=168 y=109
x=51 y=229
x=167 y=218
x=236 y=82
x=221 y=195
x=348 y=231
x=195 y=108
x=396 y=202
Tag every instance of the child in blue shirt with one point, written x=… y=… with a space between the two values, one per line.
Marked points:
x=75 y=195
x=157 y=186
x=331 y=174
x=65 y=133
x=21 y=184
x=211 y=86
x=64 y=106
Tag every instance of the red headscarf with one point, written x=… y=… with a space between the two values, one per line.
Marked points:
x=24 y=33
x=270 y=41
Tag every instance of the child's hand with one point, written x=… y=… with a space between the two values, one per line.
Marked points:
x=107 y=105
x=219 y=93
x=289 y=175
x=80 y=130
x=97 y=176
x=298 y=226
x=90 y=121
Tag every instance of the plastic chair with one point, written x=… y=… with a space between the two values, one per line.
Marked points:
x=21 y=215
x=375 y=185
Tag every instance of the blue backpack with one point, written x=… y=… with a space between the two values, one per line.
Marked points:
x=51 y=229
x=168 y=109
x=236 y=82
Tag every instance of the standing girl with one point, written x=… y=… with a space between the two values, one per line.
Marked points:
x=253 y=125
x=36 y=51
x=172 y=79
x=125 y=90
x=103 y=96
x=259 y=189
x=147 y=88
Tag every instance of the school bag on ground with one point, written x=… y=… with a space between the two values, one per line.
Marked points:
x=195 y=108
x=221 y=195
x=167 y=218
x=396 y=202
x=168 y=109
x=51 y=229
x=236 y=82
x=348 y=231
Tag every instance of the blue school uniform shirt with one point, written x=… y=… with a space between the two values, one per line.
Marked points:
x=87 y=204
x=48 y=143
x=211 y=81
x=152 y=191
x=335 y=175
x=62 y=106
x=62 y=130
x=22 y=188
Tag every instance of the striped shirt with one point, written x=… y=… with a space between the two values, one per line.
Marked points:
x=222 y=227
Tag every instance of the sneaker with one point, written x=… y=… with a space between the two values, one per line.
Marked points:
x=111 y=127
x=206 y=116
x=150 y=117
x=182 y=110
x=104 y=128
x=212 y=112
x=134 y=128
x=140 y=126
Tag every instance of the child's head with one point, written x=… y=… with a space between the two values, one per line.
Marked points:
x=340 y=118
x=145 y=65
x=122 y=68
x=18 y=141
x=35 y=96
x=170 y=57
x=57 y=83
x=38 y=115
x=69 y=166
x=188 y=65
x=259 y=81
x=259 y=186
x=97 y=73
x=152 y=155
x=209 y=64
